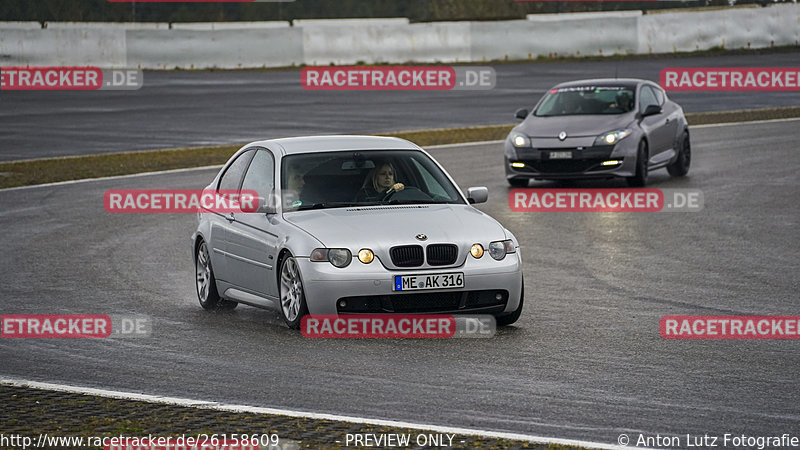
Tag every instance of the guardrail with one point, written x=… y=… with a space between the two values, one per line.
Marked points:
x=369 y=41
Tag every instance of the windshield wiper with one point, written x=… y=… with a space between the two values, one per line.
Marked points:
x=323 y=205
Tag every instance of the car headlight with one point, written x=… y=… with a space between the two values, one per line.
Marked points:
x=612 y=137
x=339 y=257
x=499 y=249
x=520 y=140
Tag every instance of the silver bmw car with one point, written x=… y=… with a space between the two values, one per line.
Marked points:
x=353 y=225
x=602 y=128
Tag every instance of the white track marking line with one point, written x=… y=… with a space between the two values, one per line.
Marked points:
x=464 y=144
x=115 y=177
x=728 y=124
x=185 y=402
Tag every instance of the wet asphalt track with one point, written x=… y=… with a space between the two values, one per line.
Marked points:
x=184 y=109
x=585 y=361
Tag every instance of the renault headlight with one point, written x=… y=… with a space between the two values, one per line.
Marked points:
x=612 y=137
x=520 y=140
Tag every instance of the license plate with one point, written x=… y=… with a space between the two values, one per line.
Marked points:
x=432 y=281
x=560 y=155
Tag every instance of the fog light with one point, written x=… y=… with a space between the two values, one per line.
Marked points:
x=342 y=303
x=612 y=162
x=498 y=296
x=518 y=165
x=476 y=251
x=365 y=255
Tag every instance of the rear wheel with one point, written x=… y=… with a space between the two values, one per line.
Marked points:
x=510 y=318
x=206 y=283
x=681 y=165
x=639 y=179
x=293 y=298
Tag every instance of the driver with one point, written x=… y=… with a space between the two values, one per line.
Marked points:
x=379 y=183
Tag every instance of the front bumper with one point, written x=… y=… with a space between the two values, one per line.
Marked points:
x=367 y=288
x=586 y=161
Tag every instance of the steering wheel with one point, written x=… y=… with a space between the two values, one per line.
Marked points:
x=409 y=193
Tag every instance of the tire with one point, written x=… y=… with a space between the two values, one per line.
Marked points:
x=640 y=178
x=292 y=295
x=518 y=182
x=508 y=319
x=206 y=284
x=681 y=165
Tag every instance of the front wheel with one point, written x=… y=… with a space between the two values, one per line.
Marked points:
x=293 y=298
x=681 y=165
x=206 y=283
x=639 y=179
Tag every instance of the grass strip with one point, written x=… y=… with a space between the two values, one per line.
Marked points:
x=32 y=413
x=50 y=170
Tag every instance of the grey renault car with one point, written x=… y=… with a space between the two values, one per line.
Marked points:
x=602 y=128
x=316 y=245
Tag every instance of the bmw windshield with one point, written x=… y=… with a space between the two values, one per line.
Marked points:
x=586 y=100
x=363 y=178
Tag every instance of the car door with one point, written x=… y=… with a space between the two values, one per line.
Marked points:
x=672 y=114
x=252 y=240
x=230 y=180
x=655 y=126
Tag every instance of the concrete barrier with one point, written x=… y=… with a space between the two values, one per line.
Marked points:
x=78 y=47
x=215 y=26
x=230 y=49
x=106 y=26
x=383 y=41
x=233 y=45
x=728 y=28
x=20 y=26
x=576 y=35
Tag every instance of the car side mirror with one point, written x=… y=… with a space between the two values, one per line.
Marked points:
x=521 y=113
x=651 y=110
x=267 y=205
x=477 y=195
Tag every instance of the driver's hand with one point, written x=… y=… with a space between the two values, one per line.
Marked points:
x=396 y=187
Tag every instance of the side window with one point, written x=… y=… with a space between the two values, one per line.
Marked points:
x=233 y=175
x=659 y=96
x=646 y=98
x=260 y=176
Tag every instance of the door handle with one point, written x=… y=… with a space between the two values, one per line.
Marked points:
x=229 y=217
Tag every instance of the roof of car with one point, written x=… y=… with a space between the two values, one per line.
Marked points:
x=604 y=81
x=310 y=144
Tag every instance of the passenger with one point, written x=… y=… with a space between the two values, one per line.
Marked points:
x=295 y=182
x=379 y=183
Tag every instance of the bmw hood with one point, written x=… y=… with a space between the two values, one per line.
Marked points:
x=385 y=226
x=574 y=126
